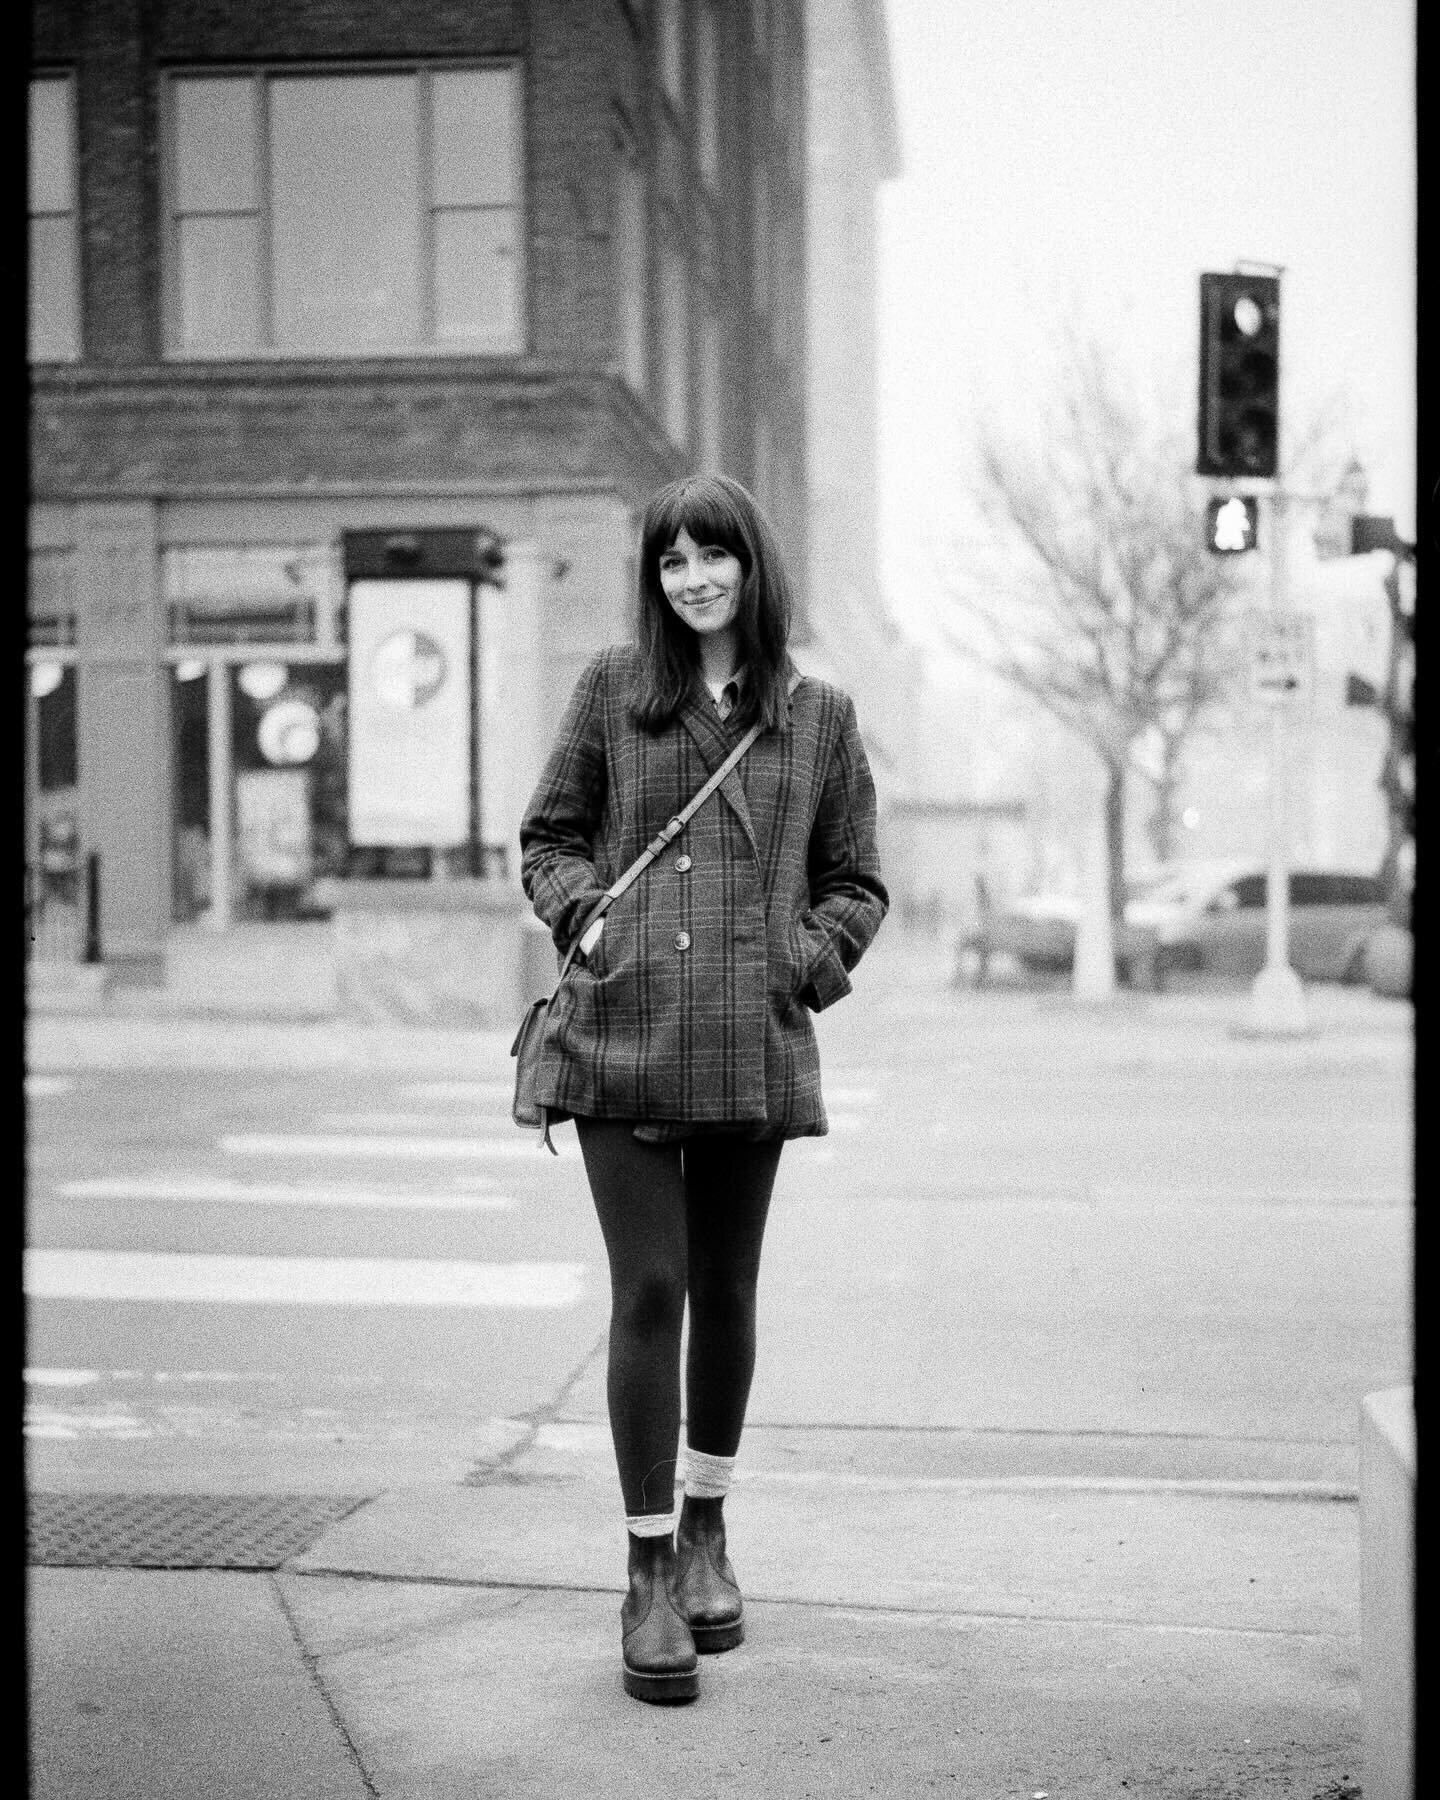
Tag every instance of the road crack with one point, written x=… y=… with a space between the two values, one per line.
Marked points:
x=489 y=1471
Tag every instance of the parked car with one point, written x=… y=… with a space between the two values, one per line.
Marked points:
x=1199 y=915
x=1389 y=961
x=1216 y=922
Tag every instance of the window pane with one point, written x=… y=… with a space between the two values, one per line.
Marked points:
x=215 y=146
x=52 y=185
x=711 y=403
x=760 y=258
x=477 y=286
x=674 y=304
x=54 y=291
x=219 y=301
x=477 y=158
x=346 y=212
x=59 y=740
x=672 y=71
x=708 y=98
x=630 y=249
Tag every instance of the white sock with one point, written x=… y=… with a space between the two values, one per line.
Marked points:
x=707 y=1477
x=650 y=1524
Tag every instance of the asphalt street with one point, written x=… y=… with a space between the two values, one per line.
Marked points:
x=1050 y=1239
x=1049 y=1481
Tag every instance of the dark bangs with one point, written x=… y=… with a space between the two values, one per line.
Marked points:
x=714 y=509
x=704 y=509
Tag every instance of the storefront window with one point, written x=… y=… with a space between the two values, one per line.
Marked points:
x=255 y=831
x=54 y=859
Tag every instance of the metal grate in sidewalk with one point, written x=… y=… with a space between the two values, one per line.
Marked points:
x=177 y=1531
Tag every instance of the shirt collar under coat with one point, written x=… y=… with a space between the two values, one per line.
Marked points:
x=715 y=738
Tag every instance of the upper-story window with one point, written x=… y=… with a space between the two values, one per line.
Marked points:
x=712 y=395
x=632 y=244
x=346 y=215
x=675 y=331
x=670 y=23
x=707 y=91
x=54 y=321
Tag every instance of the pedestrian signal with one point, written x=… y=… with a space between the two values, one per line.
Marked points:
x=1232 y=524
x=1239 y=416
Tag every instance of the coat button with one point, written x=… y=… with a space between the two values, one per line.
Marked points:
x=682 y=863
x=682 y=940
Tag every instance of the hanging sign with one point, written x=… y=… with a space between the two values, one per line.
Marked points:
x=409 y=686
x=1282 y=657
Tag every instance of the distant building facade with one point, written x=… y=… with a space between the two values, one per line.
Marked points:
x=334 y=303
x=853 y=148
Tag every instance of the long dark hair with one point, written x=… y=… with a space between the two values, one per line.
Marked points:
x=714 y=509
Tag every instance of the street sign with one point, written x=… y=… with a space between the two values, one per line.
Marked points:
x=1282 y=657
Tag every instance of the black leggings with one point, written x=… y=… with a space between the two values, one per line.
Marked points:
x=680 y=1221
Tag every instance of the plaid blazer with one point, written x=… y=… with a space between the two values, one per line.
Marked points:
x=692 y=1006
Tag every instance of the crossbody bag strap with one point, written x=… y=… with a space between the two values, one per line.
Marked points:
x=667 y=835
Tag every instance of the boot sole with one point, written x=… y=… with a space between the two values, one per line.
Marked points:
x=710 y=1638
x=660 y=1689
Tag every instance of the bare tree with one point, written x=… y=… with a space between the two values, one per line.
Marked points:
x=1100 y=599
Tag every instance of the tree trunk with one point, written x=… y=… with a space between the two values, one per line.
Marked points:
x=1115 y=836
x=1160 y=826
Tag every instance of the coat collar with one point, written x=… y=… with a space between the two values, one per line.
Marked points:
x=715 y=738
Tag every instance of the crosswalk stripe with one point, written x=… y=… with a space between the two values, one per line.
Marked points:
x=203 y=1190
x=256 y=1143
x=47 y=1087
x=467 y=1092
x=298 y=1280
x=405 y=1122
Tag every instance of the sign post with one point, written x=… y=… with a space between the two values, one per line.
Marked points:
x=1281 y=672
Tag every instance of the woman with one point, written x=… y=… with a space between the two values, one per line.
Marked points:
x=682 y=1044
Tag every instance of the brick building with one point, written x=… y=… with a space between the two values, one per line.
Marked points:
x=331 y=303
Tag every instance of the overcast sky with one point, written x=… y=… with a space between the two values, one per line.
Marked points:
x=1100 y=155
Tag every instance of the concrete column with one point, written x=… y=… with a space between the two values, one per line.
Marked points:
x=1387 y=1592
x=124 y=750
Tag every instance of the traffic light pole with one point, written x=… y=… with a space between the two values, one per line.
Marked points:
x=1277 y=997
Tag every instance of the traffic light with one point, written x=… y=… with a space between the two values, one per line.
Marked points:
x=489 y=559
x=1239 y=375
x=1232 y=523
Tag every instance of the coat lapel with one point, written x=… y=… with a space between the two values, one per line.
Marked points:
x=714 y=742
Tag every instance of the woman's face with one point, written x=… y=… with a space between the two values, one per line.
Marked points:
x=702 y=584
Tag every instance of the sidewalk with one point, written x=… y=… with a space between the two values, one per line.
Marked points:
x=981 y=1639
x=919 y=1620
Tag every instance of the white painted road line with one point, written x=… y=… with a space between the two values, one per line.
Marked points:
x=297 y=1280
x=435 y=1149
x=470 y=1093
x=201 y=1190
x=46 y=1087
x=405 y=1121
